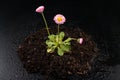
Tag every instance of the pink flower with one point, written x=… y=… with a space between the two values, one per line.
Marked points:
x=81 y=40
x=59 y=19
x=40 y=9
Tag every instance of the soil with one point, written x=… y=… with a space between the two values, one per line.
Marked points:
x=79 y=61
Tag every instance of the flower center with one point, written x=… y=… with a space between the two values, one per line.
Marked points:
x=59 y=19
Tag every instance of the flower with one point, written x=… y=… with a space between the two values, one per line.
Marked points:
x=59 y=19
x=40 y=9
x=80 y=40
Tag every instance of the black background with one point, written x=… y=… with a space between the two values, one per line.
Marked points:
x=100 y=18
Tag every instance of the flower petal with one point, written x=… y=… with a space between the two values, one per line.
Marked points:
x=40 y=9
x=81 y=40
x=59 y=19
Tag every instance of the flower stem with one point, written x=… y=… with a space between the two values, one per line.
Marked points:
x=58 y=32
x=74 y=39
x=58 y=28
x=45 y=23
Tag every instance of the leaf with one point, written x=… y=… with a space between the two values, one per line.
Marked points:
x=61 y=35
x=56 y=38
x=51 y=37
x=65 y=47
x=67 y=43
x=60 y=52
x=49 y=43
x=68 y=39
x=51 y=49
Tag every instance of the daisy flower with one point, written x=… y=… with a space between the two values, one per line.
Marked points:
x=59 y=19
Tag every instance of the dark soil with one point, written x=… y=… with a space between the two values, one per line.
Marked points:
x=79 y=61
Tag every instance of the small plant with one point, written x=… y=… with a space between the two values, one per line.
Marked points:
x=56 y=41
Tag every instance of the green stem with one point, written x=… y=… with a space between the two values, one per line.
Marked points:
x=74 y=39
x=58 y=31
x=45 y=23
x=58 y=28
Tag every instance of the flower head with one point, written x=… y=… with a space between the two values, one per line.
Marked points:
x=40 y=9
x=80 y=40
x=59 y=19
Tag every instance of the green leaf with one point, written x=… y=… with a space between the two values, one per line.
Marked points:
x=65 y=47
x=61 y=35
x=67 y=43
x=68 y=39
x=49 y=43
x=56 y=38
x=51 y=49
x=60 y=52
x=51 y=37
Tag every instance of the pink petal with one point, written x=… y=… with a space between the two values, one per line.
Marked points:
x=81 y=40
x=40 y=9
x=56 y=19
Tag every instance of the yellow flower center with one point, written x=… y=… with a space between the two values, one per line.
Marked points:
x=59 y=19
